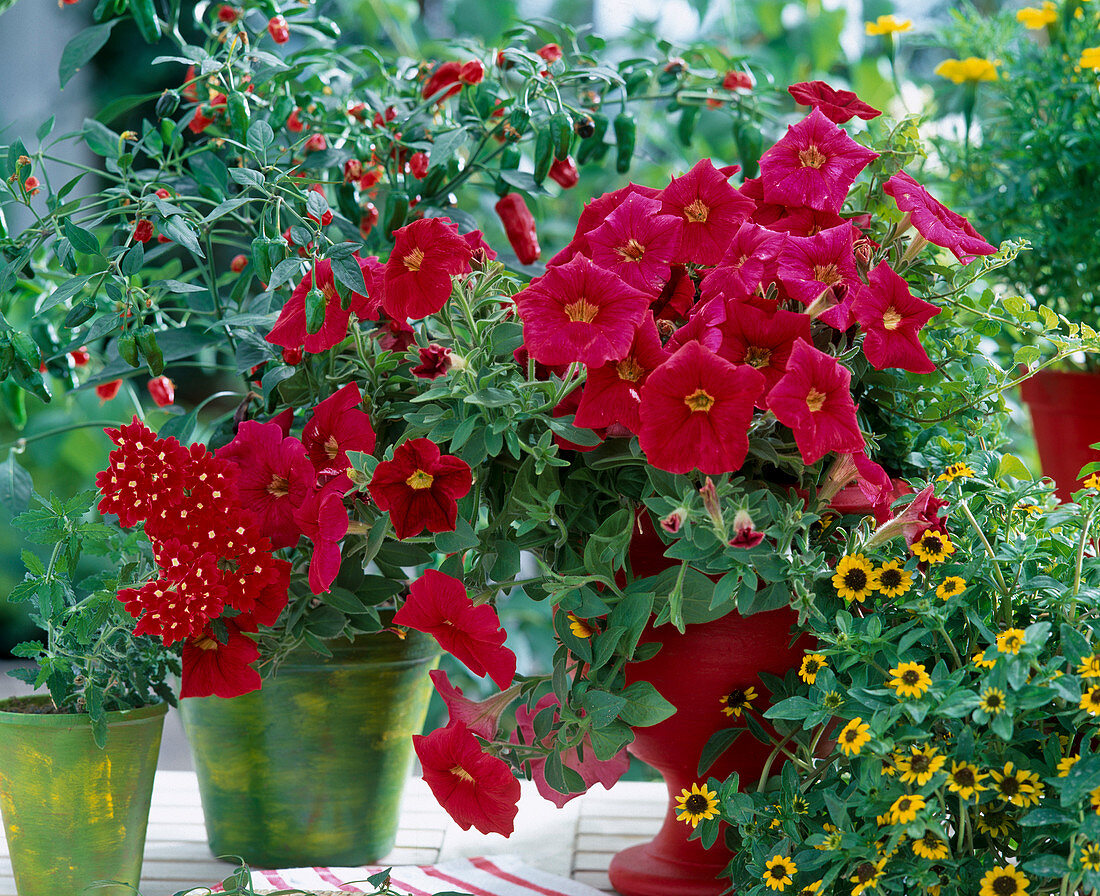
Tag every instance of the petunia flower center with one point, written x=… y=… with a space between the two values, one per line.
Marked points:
x=758 y=356
x=420 y=480
x=206 y=643
x=278 y=486
x=815 y=400
x=332 y=447
x=827 y=274
x=459 y=772
x=632 y=250
x=699 y=400
x=812 y=157
x=414 y=259
x=891 y=320
x=581 y=311
x=697 y=211
x=629 y=370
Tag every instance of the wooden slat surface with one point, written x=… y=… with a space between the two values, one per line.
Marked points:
x=578 y=840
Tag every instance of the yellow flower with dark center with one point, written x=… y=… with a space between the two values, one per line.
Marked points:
x=800 y=806
x=982 y=663
x=992 y=701
x=996 y=824
x=1090 y=701
x=779 y=872
x=887 y=25
x=905 y=808
x=1094 y=799
x=921 y=766
x=967 y=71
x=1089 y=667
x=1010 y=641
x=1029 y=509
x=950 y=586
x=696 y=804
x=1004 y=880
x=812 y=663
x=809 y=889
x=853 y=736
x=910 y=680
x=1035 y=19
x=1064 y=765
x=1017 y=786
x=737 y=700
x=867 y=876
x=892 y=579
x=1090 y=58
x=930 y=846
x=932 y=546
x=578 y=626
x=832 y=701
x=965 y=779
x=1093 y=479
x=853 y=577
x=1090 y=857
x=956 y=471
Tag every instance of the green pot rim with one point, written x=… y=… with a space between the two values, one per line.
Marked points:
x=115 y=718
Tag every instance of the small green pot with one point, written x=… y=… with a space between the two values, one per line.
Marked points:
x=75 y=814
x=309 y=769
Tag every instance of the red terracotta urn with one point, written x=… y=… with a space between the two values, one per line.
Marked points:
x=1065 y=414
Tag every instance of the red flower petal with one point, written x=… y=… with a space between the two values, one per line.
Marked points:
x=211 y=668
x=710 y=208
x=420 y=488
x=836 y=105
x=892 y=318
x=426 y=255
x=935 y=221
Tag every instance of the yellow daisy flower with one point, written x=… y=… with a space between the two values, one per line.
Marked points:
x=905 y=808
x=1017 y=786
x=1090 y=857
x=809 y=889
x=1090 y=702
x=921 y=766
x=812 y=663
x=1064 y=765
x=1029 y=509
x=965 y=779
x=1093 y=479
x=1090 y=58
x=996 y=824
x=696 y=804
x=930 y=846
x=779 y=872
x=950 y=586
x=578 y=626
x=992 y=701
x=892 y=579
x=1089 y=667
x=1094 y=799
x=867 y=876
x=1004 y=880
x=830 y=843
x=887 y=25
x=956 y=471
x=853 y=736
x=737 y=700
x=932 y=546
x=832 y=701
x=981 y=662
x=910 y=680
x=1010 y=641
x=967 y=71
x=1035 y=19
x=852 y=578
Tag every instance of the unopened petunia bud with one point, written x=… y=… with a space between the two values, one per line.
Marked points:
x=711 y=504
x=672 y=523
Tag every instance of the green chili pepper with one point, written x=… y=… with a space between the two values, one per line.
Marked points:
x=145 y=17
x=544 y=156
x=397 y=207
x=592 y=147
x=239 y=114
x=128 y=350
x=430 y=185
x=32 y=382
x=519 y=120
x=277 y=251
x=345 y=201
x=280 y=112
x=27 y=356
x=146 y=339
x=14 y=403
x=748 y=143
x=625 y=135
x=561 y=134
x=167 y=103
x=260 y=264
x=81 y=311
x=685 y=128
x=315 y=310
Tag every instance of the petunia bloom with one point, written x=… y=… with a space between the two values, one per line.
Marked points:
x=637 y=243
x=696 y=409
x=438 y=605
x=761 y=340
x=710 y=208
x=814 y=399
x=892 y=318
x=809 y=265
x=813 y=165
x=935 y=221
x=323 y=519
x=211 y=668
x=426 y=255
x=836 y=105
x=338 y=425
x=579 y=312
x=435 y=361
x=476 y=789
x=420 y=488
x=480 y=716
x=751 y=260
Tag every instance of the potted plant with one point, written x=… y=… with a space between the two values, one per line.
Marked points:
x=1027 y=167
x=76 y=777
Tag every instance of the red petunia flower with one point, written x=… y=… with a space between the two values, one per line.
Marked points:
x=438 y=605
x=696 y=409
x=612 y=393
x=710 y=208
x=677 y=296
x=591 y=769
x=420 y=488
x=579 y=312
x=593 y=215
x=702 y=326
x=813 y=165
x=290 y=330
x=814 y=399
x=211 y=668
x=181 y=602
x=338 y=425
x=892 y=318
x=746 y=535
x=426 y=255
x=395 y=336
x=751 y=260
x=637 y=243
x=480 y=716
x=809 y=265
x=275 y=478
x=323 y=519
x=476 y=789
x=935 y=221
x=435 y=361
x=836 y=105
x=762 y=340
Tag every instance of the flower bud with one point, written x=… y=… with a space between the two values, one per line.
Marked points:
x=672 y=523
x=745 y=534
x=711 y=504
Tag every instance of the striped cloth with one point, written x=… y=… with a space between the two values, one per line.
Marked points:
x=496 y=876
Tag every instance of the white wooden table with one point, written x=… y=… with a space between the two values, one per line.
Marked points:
x=577 y=841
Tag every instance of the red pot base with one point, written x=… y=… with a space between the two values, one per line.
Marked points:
x=645 y=870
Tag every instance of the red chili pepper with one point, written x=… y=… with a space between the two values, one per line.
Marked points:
x=143 y=231
x=368 y=219
x=316 y=143
x=519 y=227
x=107 y=391
x=80 y=356
x=294 y=124
x=279 y=30
x=228 y=14
x=550 y=52
x=564 y=172
x=292 y=356
x=471 y=72
x=418 y=165
x=353 y=170
x=238 y=264
x=163 y=194
x=163 y=391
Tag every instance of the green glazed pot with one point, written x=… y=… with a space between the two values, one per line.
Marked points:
x=73 y=813
x=309 y=769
